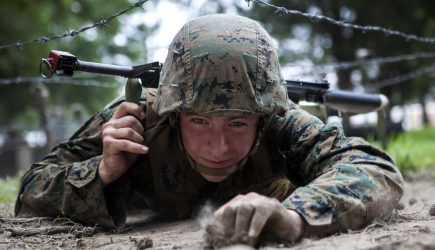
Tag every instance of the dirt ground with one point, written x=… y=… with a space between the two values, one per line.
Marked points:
x=411 y=226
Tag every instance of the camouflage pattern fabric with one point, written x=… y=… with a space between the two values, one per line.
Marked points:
x=221 y=62
x=336 y=182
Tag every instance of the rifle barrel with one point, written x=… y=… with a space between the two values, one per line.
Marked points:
x=352 y=102
x=107 y=69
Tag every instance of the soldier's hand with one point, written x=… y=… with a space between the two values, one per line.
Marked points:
x=122 y=141
x=245 y=217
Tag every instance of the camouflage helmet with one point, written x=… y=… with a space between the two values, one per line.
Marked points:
x=220 y=63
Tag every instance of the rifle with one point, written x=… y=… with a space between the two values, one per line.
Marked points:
x=340 y=100
x=64 y=64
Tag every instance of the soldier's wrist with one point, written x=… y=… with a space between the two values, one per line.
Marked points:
x=298 y=224
x=103 y=175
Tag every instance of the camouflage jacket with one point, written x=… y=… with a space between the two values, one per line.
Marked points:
x=334 y=182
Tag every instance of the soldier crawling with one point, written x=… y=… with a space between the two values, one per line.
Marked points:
x=219 y=128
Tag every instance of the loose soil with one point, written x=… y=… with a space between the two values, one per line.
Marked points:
x=411 y=226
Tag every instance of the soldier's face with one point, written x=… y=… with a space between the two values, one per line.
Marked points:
x=218 y=141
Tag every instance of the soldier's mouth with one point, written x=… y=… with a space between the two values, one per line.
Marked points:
x=217 y=164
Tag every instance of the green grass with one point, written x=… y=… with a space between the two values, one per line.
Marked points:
x=414 y=151
x=9 y=189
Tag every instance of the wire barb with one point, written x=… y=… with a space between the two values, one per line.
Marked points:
x=362 y=28
x=77 y=81
x=327 y=68
x=73 y=33
x=401 y=78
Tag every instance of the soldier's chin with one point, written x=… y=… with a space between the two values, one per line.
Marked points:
x=213 y=178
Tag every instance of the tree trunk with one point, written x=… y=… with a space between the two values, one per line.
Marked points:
x=425 y=117
x=40 y=95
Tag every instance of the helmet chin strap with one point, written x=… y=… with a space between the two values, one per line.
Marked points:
x=212 y=171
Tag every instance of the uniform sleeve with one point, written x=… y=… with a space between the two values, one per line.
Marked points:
x=344 y=182
x=66 y=181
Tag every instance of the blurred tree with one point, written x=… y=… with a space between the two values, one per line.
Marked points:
x=322 y=42
x=300 y=39
x=22 y=20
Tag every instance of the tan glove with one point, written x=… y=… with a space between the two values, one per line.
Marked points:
x=245 y=217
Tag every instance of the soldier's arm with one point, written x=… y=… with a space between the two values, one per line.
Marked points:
x=66 y=181
x=345 y=182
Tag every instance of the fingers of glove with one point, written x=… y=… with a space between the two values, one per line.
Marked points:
x=122 y=145
x=123 y=133
x=228 y=220
x=129 y=108
x=128 y=121
x=259 y=219
x=219 y=213
x=243 y=218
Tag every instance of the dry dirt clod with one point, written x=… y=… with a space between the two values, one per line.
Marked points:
x=412 y=201
x=84 y=232
x=80 y=243
x=400 y=206
x=432 y=210
x=144 y=243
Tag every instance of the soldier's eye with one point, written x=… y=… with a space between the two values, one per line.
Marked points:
x=197 y=120
x=238 y=124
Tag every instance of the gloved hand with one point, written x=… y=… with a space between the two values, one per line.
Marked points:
x=122 y=141
x=245 y=217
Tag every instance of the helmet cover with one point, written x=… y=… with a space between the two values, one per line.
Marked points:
x=221 y=63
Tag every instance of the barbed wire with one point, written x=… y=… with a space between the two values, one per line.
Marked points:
x=317 y=18
x=88 y=82
x=399 y=79
x=326 y=68
x=73 y=33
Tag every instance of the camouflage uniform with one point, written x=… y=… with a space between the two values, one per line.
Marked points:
x=334 y=182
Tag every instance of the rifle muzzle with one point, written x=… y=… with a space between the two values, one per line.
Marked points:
x=352 y=102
